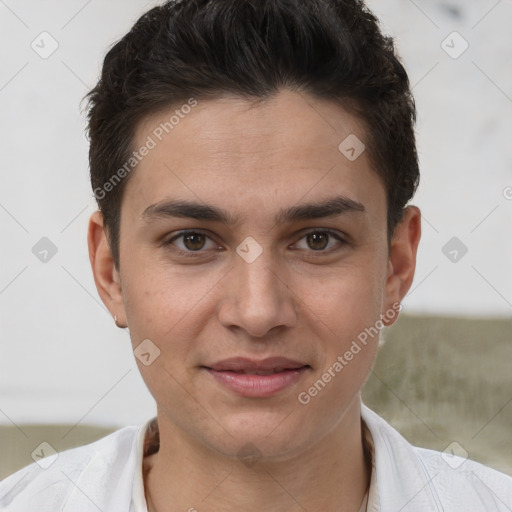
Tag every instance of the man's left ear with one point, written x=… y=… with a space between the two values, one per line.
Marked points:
x=402 y=262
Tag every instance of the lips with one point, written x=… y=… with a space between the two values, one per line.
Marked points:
x=257 y=379
x=266 y=366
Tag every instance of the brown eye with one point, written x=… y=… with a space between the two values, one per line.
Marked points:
x=189 y=242
x=317 y=241
x=194 y=241
x=321 y=241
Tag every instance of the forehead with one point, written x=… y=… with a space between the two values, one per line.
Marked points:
x=253 y=158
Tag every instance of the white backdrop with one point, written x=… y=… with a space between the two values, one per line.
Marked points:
x=61 y=357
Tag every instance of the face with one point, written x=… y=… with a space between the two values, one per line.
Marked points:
x=245 y=232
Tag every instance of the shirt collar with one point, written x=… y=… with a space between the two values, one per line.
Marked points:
x=372 y=497
x=147 y=442
x=402 y=481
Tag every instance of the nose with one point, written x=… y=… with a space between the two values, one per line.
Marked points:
x=257 y=297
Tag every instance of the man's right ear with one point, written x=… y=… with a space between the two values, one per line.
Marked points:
x=106 y=277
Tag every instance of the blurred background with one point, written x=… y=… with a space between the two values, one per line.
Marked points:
x=443 y=377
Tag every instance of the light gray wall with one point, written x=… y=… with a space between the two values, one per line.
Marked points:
x=54 y=328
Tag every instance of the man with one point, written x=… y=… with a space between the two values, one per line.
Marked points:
x=252 y=162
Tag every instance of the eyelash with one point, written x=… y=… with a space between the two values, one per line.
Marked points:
x=195 y=254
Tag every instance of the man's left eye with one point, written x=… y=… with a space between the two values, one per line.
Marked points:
x=319 y=240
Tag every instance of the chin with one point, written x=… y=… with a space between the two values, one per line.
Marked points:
x=270 y=435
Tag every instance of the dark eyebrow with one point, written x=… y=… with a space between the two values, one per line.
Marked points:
x=320 y=209
x=189 y=209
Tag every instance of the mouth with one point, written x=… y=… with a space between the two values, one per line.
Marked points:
x=263 y=372
x=260 y=367
x=260 y=372
x=257 y=379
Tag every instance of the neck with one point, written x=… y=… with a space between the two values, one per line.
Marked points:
x=331 y=476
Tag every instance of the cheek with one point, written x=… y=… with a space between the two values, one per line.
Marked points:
x=344 y=321
x=172 y=310
x=343 y=316
x=343 y=303
x=160 y=300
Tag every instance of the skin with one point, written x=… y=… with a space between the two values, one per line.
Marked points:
x=295 y=301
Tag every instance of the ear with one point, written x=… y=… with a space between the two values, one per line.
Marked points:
x=402 y=262
x=106 y=277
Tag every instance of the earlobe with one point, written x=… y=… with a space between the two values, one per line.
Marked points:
x=402 y=261
x=106 y=277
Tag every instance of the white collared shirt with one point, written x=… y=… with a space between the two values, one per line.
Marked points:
x=107 y=476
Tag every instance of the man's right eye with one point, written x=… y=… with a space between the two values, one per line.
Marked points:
x=190 y=242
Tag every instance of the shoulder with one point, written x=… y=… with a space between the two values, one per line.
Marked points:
x=74 y=475
x=455 y=474
x=411 y=478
